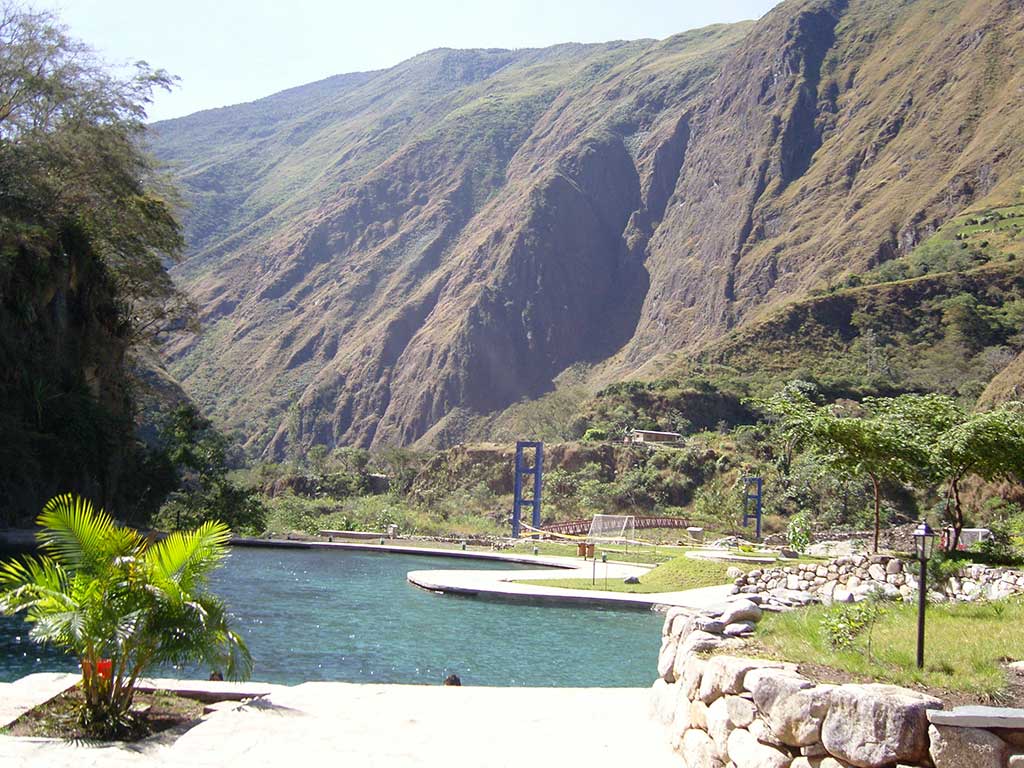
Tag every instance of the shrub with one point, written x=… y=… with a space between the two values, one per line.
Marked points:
x=843 y=624
x=101 y=591
x=798 y=532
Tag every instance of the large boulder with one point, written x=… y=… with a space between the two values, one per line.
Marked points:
x=725 y=674
x=720 y=726
x=667 y=659
x=699 y=715
x=747 y=752
x=793 y=707
x=663 y=701
x=817 y=762
x=741 y=711
x=698 y=642
x=692 y=672
x=954 y=747
x=740 y=610
x=698 y=750
x=876 y=725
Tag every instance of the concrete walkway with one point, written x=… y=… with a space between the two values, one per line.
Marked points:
x=29 y=692
x=503 y=585
x=373 y=726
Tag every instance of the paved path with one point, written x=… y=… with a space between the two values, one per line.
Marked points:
x=30 y=691
x=372 y=726
x=503 y=585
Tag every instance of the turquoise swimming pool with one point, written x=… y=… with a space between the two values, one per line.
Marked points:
x=352 y=616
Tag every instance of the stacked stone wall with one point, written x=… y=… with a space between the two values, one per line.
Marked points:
x=846 y=579
x=729 y=711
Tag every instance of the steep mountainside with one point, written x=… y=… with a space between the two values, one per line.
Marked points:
x=381 y=252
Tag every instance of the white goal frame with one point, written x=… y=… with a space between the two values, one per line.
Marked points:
x=612 y=529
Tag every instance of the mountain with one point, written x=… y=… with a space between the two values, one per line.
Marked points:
x=379 y=255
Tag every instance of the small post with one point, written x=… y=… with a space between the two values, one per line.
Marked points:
x=924 y=541
x=921 y=593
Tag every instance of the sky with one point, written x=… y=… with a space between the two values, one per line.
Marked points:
x=232 y=51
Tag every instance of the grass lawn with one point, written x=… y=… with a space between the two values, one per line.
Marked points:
x=639 y=554
x=965 y=644
x=675 y=575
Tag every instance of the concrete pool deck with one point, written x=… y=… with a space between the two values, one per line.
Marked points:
x=505 y=585
x=372 y=726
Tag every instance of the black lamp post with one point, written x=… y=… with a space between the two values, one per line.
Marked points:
x=924 y=543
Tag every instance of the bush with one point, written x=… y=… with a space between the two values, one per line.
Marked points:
x=842 y=625
x=798 y=532
x=595 y=435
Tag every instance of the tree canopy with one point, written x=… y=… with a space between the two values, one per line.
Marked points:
x=72 y=163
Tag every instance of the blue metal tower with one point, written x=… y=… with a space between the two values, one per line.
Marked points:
x=524 y=470
x=752 y=487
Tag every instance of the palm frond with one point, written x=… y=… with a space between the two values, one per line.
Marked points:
x=75 y=534
x=185 y=557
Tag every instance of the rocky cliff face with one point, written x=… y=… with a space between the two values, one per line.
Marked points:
x=379 y=251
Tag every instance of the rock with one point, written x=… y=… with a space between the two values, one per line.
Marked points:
x=693 y=670
x=681 y=720
x=793 y=706
x=960 y=747
x=793 y=582
x=747 y=752
x=708 y=624
x=875 y=725
x=682 y=625
x=666 y=659
x=699 y=750
x=791 y=554
x=663 y=701
x=817 y=749
x=817 y=762
x=631 y=580
x=740 y=610
x=725 y=674
x=894 y=566
x=733 y=572
x=699 y=714
x=759 y=730
x=670 y=616
x=697 y=642
x=741 y=711
x=876 y=572
x=719 y=726
x=739 y=629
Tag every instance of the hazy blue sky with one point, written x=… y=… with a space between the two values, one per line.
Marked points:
x=229 y=51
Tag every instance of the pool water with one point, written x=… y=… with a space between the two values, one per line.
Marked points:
x=352 y=616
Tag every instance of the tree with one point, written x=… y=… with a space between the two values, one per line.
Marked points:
x=102 y=591
x=871 y=443
x=989 y=445
x=72 y=162
x=198 y=454
x=87 y=226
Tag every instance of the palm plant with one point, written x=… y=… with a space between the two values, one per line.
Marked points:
x=103 y=591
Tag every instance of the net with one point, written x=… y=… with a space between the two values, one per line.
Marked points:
x=612 y=529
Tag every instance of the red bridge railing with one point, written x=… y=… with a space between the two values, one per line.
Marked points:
x=579 y=527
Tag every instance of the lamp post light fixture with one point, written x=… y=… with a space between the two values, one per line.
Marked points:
x=924 y=544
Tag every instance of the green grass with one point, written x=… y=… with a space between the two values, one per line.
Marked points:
x=964 y=645
x=675 y=575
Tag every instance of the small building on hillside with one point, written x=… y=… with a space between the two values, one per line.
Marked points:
x=651 y=436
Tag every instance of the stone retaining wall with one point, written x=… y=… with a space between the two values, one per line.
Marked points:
x=850 y=578
x=729 y=711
